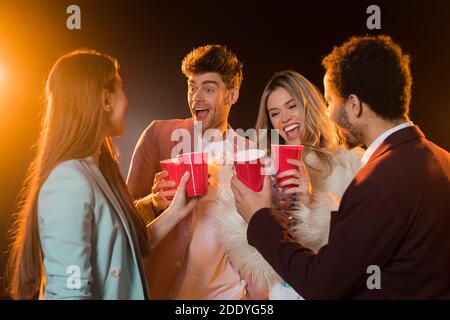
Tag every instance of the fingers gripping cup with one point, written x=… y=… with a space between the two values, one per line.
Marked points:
x=280 y=155
x=173 y=167
x=247 y=164
x=197 y=165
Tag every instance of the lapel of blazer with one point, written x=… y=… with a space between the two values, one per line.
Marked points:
x=93 y=173
x=397 y=138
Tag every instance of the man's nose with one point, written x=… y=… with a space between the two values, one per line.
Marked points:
x=197 y=96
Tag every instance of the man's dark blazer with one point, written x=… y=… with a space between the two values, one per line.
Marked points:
x=395 y=216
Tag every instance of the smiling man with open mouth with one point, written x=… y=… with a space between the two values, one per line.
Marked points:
x=210 y=99
x=191 y=263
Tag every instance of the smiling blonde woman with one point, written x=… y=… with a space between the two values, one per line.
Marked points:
x=294 y=107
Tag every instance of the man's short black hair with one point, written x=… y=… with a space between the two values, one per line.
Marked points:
x=375 y=69
x=214 y=58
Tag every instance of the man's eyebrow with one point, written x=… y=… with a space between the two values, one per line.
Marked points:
x=190 y=81
x=210 y=81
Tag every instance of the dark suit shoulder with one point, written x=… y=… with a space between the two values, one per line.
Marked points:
x=440 y=155
x=413 y=172
x=413 y=158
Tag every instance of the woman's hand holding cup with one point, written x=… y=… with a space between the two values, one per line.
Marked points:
x=296 y=181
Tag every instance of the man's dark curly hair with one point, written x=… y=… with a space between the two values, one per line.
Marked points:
x=214 y=58
x=375 y=69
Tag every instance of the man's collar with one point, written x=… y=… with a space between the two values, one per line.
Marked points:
x=379 y=140
x=399 y=137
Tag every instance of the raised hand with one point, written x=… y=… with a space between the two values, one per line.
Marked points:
x=161 y=195
x=300 y=179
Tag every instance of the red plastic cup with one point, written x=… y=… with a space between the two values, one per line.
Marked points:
x=247 y=164
x=280 y=155
x=196 y=163
x=173 y=167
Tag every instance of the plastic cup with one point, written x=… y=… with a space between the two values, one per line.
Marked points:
x=196 y=163
x=280 y=155
x=173 y=167
x=247 y=164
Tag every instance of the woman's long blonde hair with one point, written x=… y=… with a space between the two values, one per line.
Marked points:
x=318 y=133
x=72 y=127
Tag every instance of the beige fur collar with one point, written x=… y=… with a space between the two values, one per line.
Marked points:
x=313 y=223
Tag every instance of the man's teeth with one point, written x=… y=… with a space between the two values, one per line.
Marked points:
x=291 y=127
x=200 y=109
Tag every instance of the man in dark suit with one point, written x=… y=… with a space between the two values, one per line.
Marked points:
x=390 y=238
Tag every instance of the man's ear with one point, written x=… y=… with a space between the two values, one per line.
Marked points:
x=106 y=100
x=233 y=95
x=355 y=105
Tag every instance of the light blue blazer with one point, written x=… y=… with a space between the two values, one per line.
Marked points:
x=90 y=251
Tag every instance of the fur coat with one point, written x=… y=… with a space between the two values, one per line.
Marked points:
x=313 y=222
